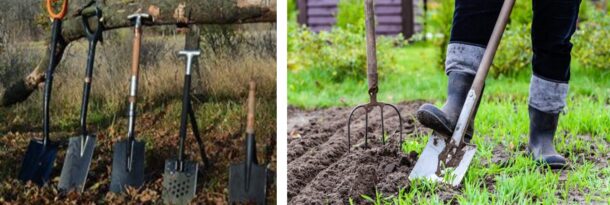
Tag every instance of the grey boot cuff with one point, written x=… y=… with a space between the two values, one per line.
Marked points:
x=463 y=58
x=547 y=96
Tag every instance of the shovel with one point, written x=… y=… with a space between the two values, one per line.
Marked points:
x=180 y=177
x=448 y=161
x=40 y=155
x=371 y=57
x=80 y=150
x=248 y=180
x=128 y=156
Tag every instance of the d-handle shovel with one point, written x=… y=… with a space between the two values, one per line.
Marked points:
x=40 y=155
x=248 y=180
x=372 y=77
x=180 y=177
x=128 y=156
x=80 y=150
x=448 y=162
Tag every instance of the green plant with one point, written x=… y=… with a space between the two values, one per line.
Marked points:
x=441 y=19
x=515 y=51
x=591 y=47
x=350 y=15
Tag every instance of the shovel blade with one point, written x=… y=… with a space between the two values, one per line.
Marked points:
x=121 y=176
x=76 y=166
x=427 y=166
x=179 y=187
x=240 y=192
x=38 y=162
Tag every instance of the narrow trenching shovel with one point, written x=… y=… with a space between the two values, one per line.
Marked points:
x=128 y=156
x=180 y=177
x=248 y=180
x=448 y=161
x=371 y=53
x=40 y=155
x=80 y=150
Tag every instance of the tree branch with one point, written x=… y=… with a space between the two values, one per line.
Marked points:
x=164 y=12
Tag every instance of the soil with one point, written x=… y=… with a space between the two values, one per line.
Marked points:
x=323 y=170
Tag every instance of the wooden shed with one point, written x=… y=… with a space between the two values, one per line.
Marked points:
x=393 y=16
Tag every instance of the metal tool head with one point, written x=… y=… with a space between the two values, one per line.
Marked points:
x=127 y=170
x=76 y=164
x=38 y=162
x=442 y=163
x=368 y=108
x=139 y=18
x=247 y=186
x=179 y=185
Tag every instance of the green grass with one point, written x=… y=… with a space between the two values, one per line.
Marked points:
x=583 y=133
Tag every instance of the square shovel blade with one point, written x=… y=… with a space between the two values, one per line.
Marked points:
x=38 y=162
x=121 y=176
x=429 y=162
x=179 y=187
x=76 y=164
x=242 y=191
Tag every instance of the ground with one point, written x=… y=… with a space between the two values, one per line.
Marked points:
x=322 y=170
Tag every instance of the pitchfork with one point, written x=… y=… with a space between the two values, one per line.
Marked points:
x=372 y=80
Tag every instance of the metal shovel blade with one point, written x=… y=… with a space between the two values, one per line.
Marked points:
x=76 y=165
x=38 y=162
x=428 y=164
x=249 y=191
x=179 y=187
x=121 y=176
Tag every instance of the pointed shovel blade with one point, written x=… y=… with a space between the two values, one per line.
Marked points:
x=430 y=166
x=121 y=176
x=179 y=187
x=38 y=162
x=76 y=164
x=252 y=191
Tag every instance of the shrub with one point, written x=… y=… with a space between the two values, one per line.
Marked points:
x=337 y=55
x=350 y=15
x=591 y=46
x=515 y=51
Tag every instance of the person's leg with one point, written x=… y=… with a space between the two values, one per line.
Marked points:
x=552 y=28
x=473 y=23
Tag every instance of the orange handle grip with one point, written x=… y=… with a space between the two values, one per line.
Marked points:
x=62 y=12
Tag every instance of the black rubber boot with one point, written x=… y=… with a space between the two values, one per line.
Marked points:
x=443 y=120
x=542 y=131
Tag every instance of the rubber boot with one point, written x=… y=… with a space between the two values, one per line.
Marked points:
x=542 y=131
x=443 y=120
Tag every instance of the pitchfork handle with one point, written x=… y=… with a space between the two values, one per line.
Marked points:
x=251 y=104
x=371 y=55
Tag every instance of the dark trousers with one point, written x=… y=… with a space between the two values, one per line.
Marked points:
x=552 y=27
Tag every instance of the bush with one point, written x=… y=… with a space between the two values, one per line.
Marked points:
x=337 y=55
x=591 y=46
x=350 y=15
x=515 y=51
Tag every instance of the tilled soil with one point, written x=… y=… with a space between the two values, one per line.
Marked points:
x=323 y=170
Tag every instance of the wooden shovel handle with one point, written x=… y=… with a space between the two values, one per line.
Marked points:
x=62 y=12
x=251 y=103
x=371 y=50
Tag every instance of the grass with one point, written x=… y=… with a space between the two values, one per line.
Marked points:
x=583 y=134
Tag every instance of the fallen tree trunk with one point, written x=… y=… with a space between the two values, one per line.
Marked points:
x=164 y=12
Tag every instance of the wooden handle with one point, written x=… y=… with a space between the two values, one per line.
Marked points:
x=371 y=50
x=62 y=12
x=135 y=55
x=251 y=103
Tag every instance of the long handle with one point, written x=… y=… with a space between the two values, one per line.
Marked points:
x=135 y=65
x=479 y=80
x=87 y=87
x=250 y=139
x=186 y=99
x=371 y=50
x=195 y=128
x=48 y=85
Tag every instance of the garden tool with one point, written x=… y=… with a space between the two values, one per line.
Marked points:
x=248 y=180
x=80 y=150
x=180 y=177
x=446 y=158
x=40 y=155
x=128 y=156
x=372 y=80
